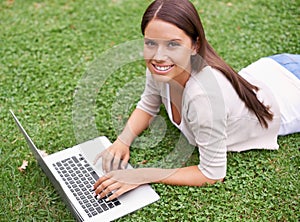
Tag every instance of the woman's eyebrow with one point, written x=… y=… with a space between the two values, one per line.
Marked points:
x=166 y=40
x=148 y=39
x=175 y=40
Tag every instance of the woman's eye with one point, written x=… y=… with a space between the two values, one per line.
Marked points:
x=150 y=43
x=173 y=44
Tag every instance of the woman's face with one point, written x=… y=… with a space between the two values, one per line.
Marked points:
x=167 y=51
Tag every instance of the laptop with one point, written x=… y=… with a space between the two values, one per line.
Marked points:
x=72 y=173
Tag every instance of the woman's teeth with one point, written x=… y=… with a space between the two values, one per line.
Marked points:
x=162 y=68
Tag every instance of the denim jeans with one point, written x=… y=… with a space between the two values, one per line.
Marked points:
x=289 y=61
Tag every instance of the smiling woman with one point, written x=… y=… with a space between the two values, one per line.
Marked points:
x=217 y=109
x=168 y=53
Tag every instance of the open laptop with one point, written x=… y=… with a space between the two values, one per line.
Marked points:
x=72 y=173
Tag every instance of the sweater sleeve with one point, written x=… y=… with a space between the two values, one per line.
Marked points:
x=206 y=118
x=150 y=99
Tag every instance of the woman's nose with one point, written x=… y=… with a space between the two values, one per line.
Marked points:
x=160 y=54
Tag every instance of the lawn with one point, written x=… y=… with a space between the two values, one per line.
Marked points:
x=48 y=47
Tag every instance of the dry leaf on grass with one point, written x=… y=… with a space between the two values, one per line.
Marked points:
x=143 y=162
x=22 y=168
x=43 y=153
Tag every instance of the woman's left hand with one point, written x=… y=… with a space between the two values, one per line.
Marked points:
x=118 y=182
x=122 y=181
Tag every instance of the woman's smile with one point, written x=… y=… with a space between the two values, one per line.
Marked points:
x=162 y=69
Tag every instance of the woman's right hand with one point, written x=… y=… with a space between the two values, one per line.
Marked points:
x=114 y=157
x=117 y=155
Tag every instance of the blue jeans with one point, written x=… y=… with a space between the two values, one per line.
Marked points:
x=289 y=61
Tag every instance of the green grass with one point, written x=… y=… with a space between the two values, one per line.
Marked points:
x=46 y=47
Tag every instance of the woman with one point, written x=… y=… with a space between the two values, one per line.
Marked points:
x=216 y=109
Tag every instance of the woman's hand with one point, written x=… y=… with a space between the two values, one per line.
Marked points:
x=118 y=182
x=117 y=155
x=122 y=181
x=114 y=157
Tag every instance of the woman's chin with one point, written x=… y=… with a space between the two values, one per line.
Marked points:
x=161 y=78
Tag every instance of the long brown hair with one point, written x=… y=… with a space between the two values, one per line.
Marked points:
x=183 y=14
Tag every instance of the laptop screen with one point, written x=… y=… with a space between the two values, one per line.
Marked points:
x=33 y=148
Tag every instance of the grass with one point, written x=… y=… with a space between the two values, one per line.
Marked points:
x=46 y=47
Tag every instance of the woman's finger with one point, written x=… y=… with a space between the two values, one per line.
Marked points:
x=99 y=155
x=124 y=162
x=120 y=191
x=109 y=189
x=107 y=159
x=116 y=162
x=115 y=195
x=100 y=181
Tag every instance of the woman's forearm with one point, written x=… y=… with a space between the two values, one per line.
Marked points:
x=187 y=176
x=138 y=121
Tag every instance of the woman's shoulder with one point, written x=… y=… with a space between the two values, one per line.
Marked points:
x=208 y=80
x=205 y=85
x=208 y=75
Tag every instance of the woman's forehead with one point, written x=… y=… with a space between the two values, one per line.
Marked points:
x=159 y=29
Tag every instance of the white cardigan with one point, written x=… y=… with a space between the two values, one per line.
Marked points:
x=214 y=118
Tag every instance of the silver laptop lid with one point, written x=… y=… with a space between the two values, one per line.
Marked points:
x=32 y=146
x=45 y=168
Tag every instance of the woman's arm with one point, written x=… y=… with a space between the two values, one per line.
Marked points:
x=122 y=181
x=187 y=176
x=138 y=121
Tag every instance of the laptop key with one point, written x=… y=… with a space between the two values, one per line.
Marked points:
x=90 y=169
x=91 y=209
x=117 y=203
x=75 y=159
x=95 y=175
x=110 y=205
x=104 y=207
x=92 y=200
x=99 y=210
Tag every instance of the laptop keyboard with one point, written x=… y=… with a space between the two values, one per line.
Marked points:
x=80 y=177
